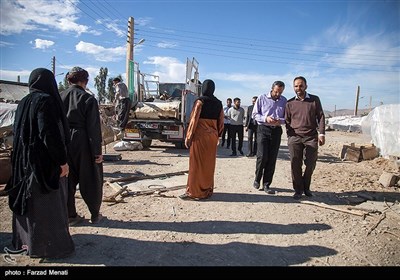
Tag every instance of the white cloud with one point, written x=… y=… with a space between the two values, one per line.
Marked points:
x=167 y=45
x=114 y=27
x=6 y=44
x=43 y=44
x=11 y=75
x=143 y=21
x=18 y=16
x=351 y=50
x=101 y=53
x=169 y=69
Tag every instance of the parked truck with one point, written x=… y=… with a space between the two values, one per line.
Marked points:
x=162 y=110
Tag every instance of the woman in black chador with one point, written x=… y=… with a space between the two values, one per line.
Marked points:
x=38 y=188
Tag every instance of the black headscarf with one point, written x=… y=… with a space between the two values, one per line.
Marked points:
x=38 y=150
x=42 y=80
x=212 y=106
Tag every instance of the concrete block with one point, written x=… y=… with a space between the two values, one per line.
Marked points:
x=369 y=152
x=353 y=154
x=388 y=179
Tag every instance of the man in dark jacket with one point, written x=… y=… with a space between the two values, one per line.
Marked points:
x=85 y=155
x=251 y=128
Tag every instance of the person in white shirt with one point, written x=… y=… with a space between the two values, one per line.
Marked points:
x=236 y=117
x=123 y=103
x=227 y=125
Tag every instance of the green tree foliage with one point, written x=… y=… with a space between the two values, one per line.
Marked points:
x=100 y=84
x=63 y=85
x=110 y=88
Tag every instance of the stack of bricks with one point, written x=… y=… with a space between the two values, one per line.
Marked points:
x=359 y=153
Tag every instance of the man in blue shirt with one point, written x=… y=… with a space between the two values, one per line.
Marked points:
x=269 y=112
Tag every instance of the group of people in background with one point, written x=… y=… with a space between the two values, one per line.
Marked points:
x=302 y=116
x=57 y=146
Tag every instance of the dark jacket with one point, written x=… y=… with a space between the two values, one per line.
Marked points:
x=250 y=123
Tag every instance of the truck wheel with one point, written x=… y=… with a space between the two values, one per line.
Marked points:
x=146 y=142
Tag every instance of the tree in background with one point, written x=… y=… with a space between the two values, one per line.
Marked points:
x=100 y=84
x=110 y=88
x=63 y=85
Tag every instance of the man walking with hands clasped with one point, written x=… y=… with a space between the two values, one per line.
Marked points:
x=305 y=127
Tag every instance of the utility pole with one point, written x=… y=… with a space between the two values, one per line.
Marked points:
x=357 y=97
x=129 y=56
x=53 y=65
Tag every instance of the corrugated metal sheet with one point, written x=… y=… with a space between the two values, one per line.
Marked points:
x=13 y=91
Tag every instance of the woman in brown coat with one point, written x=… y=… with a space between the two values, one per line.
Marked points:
x=205 y=127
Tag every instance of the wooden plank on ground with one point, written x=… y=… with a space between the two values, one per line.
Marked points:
x=144 y=177
x=151 y=191
x=323 y=205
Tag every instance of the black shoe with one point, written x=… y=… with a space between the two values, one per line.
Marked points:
x=233 y=155
x=297 y=196
x=256 y=185
x=222 y=144
x=268 y=190
x=96 y=219
x=241 y=152
x=76 y=220
x=228 y=147
x=308 y=193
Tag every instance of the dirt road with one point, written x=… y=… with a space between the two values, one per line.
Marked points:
x=238 y=226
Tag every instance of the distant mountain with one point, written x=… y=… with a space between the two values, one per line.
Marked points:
x=346 y=112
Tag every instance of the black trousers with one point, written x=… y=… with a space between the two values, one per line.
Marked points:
x=252 y=140
x=227 y=129
x=268 y=142
x=83 y=171
x=236 y=129
x=302 y=148
x=123 y=107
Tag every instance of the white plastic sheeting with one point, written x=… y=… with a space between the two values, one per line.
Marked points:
x=7 y=115
x=383 y=125
x=128 y=146
x=345 y=123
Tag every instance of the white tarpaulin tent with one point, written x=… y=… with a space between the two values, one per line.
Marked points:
x=383 y=125
x=345 y=123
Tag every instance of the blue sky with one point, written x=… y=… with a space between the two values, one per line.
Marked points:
x=244 y=46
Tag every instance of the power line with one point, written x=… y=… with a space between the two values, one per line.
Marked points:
x=260 y=59
x=229 y=44
x=265 y=41
x=106 y=9
x=95 y=20
x=242 y=39
x=260 y=49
